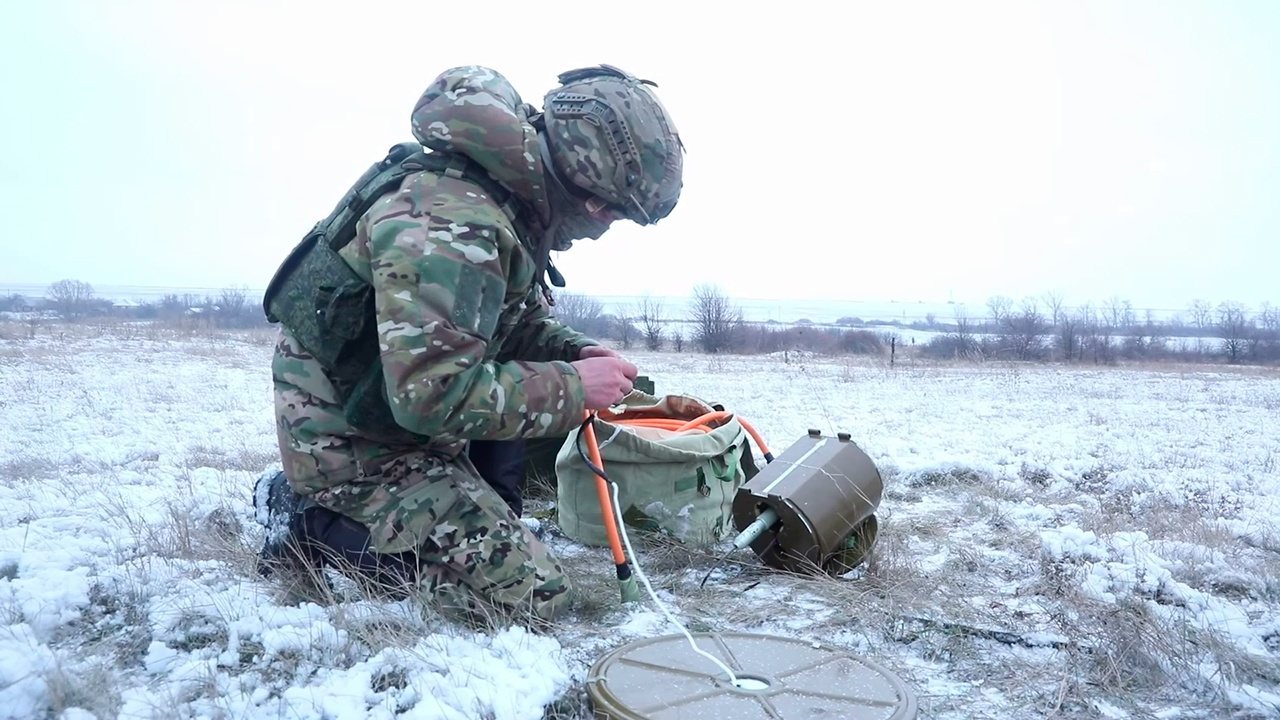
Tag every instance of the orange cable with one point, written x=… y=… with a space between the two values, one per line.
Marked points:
x=602 y=490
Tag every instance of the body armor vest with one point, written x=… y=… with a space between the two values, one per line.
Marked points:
x=329 y=309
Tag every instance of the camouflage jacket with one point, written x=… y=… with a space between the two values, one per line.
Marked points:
x=468 y=346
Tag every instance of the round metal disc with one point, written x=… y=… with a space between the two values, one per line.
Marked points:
x=780 y=678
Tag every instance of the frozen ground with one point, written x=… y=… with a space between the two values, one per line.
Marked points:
x=1054 y=543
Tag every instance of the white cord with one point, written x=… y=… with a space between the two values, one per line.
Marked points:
x=622 y=530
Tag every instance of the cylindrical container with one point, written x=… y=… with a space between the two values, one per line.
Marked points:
x=825 y=491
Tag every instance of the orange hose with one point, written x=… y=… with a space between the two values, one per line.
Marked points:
x=658 y=423
x=720 y=415
x=602 y=490
x=699 y=424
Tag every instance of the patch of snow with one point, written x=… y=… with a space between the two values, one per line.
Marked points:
x=23 y=660
x=1071 y=542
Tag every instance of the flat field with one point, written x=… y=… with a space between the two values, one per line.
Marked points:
x=1054 y=542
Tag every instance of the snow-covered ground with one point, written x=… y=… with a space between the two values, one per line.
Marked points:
x=1054 y=542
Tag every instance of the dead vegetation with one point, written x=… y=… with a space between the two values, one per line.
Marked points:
x=246 y=459
x=53 y=335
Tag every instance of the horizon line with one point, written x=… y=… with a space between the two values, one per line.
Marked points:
x=1039 y=298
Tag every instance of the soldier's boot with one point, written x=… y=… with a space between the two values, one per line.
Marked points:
x=286 y=549
x=345 y=545
x=303 y=538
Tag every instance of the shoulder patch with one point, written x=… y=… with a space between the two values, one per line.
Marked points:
x=478 y=301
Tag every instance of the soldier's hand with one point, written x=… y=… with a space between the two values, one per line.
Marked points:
x=590 y=351
x=605 y=379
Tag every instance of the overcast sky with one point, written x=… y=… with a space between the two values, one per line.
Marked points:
x=911 y=151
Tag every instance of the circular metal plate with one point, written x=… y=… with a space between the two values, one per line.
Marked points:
x=780 y=678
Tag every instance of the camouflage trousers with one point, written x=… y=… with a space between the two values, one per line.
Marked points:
x=473 y=557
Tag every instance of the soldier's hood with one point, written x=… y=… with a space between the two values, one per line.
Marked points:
x=476 y=112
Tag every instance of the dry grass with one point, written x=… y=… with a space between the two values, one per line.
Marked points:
x=1131 y=653
x=45 y=339
x=27 y=468
x=253 y=460
x=88 y=686
x=1188 y=369
x=574 y=704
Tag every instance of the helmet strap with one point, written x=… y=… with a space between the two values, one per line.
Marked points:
x=542 y=255
x=556 y=193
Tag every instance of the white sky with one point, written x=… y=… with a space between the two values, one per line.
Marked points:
x=912 y=151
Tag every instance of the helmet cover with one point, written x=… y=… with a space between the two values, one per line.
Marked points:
x=610 y=138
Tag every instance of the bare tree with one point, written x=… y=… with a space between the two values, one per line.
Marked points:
x=624 y=325
x=1068 y=343
x=1202 y=319
x=962 y=343
x=1021 y=332
x=233 y=300
x=233 y=307
x=1087 y=329
x=652 y=325
x=966 y=343
x=1265 y=343
x=1146 y=340
x=1269 y=317
x=716 y=320
x=1129 y=316
x=1095 y=335
x=72 y=299
x=999 y=307
x=1115 y=312
x=172 y=306
x=582 y=313
x=1201 y=313
x=1233 y=328
x=1055 y=300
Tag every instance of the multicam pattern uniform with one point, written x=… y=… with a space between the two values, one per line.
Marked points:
x=469 y=352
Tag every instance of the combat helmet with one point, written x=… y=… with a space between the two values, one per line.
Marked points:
x=607 y=137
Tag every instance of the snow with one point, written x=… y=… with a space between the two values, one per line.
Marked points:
x=23 y=659
x=1127 y=564
x=1016 y=499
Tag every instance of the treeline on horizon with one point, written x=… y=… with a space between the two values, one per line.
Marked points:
x=1043 y=329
